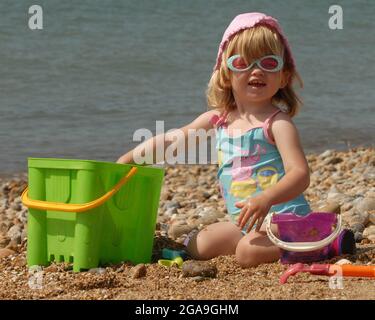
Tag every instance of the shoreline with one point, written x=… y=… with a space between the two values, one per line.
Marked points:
x=313 y=152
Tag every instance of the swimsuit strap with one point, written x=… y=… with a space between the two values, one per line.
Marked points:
x=221 y=120
x=266 y=127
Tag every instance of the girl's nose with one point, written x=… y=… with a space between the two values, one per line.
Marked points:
x=256 y=70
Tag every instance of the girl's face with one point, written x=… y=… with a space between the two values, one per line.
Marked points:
x=256 y=85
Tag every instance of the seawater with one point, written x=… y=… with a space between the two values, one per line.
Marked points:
x=100 y=70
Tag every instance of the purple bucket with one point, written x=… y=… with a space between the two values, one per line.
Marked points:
x=310 y=228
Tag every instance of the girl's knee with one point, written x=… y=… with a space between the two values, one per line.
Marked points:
x=246 y=256
x=261 y=251
x=214 y=240
x=199 y=246
x=199 y=251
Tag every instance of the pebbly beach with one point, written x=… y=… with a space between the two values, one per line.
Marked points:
x=341 y=181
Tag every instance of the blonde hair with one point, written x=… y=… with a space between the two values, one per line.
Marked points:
x=253 y=43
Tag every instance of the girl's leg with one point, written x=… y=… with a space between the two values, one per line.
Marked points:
x=217 y=239
x=256 y=248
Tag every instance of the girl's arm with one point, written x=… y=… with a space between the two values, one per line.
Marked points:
x=165 y=139
x=295 y=181
x=297 y=173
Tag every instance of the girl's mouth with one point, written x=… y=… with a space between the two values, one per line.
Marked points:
x=256 y=84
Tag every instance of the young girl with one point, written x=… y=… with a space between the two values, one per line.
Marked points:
x=262 y=167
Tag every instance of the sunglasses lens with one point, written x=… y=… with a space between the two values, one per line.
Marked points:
x=239 y=63
x=269 y=63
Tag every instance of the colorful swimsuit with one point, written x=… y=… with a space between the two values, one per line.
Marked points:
x=249 y=164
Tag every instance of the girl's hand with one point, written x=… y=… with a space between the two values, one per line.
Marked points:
x=257 y=208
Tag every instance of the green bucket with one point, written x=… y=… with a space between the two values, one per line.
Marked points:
x=91 y=213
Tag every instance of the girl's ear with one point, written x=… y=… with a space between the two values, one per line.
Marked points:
x=285 y=77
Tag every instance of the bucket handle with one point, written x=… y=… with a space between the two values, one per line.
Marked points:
x=302 y=246
x=72 y=207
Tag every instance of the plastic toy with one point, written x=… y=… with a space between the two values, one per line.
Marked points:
x=347 y=270
x=304 y=238
x=90 y=213
x=171 y=254
x=169 y=263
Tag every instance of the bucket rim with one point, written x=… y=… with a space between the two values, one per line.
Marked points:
x=293 y=217
x=59 y=163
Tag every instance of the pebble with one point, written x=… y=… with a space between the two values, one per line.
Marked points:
x=357 y=228
x=24 y=234
x=15 y=233
x=347 y=206
x=16 y=206
x=192 y=220
x=22 y=216
x=371 y=217
x=171 y=211
x=357 y=217
x=358 y=237
x=13 y=244
x=97 y=270
x=4 y=241
x=193 y=268
x=331 y=207
x=207 y=217
x=177 y=230
x=172 y=205
x=199 y=278
x=4 y=227
x=337 y=197
x=331 y=160
x=365 y=204
x=6 y=252
x=139 y=271
x=326 y=154
x=369 y=232
x=20 y=261
x=51 y=268
x=343 y=261
x=207 y=195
